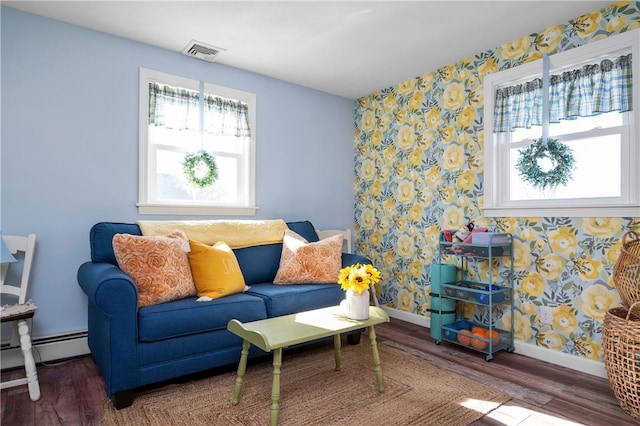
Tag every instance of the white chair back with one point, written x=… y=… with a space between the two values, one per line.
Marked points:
x=17 y=244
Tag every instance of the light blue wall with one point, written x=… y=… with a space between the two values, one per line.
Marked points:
x=69 y=147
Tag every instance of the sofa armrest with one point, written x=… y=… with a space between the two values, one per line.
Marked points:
x=351 y=259
x=112 y=323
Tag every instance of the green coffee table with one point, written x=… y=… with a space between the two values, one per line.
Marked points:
x=274 y=334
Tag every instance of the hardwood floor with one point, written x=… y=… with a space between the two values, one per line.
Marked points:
x=542 y=393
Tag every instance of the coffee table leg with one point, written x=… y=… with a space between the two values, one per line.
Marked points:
x=242 y=367
x=275 y=386
x=336 y=351
x=376 y=358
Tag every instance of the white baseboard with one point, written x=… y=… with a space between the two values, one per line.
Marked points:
x=48 y=348
x=554 y=357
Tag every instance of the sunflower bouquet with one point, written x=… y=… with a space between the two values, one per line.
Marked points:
x=358 y=277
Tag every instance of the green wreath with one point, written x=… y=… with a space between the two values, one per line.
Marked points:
x=559 y=154
x=200 y=169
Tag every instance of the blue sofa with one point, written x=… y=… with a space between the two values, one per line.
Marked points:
x=133 y=346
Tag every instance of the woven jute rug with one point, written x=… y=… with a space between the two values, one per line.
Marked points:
x=313 y=393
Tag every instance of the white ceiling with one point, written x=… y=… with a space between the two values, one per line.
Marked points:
x=347 y=48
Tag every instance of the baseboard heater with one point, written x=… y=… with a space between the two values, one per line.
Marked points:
x=47 y=349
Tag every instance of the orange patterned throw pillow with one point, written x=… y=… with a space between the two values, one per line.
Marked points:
x=303 y=262
x=158 y=265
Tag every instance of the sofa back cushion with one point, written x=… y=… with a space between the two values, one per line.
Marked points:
x=259 y=264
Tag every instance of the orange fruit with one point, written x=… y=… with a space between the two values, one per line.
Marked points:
x=483 y=331
x=463 y=337
x=477 y=343
x=495 y=335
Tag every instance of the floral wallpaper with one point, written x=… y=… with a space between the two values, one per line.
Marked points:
x=419 y=170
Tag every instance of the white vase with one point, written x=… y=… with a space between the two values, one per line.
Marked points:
x=357 y=305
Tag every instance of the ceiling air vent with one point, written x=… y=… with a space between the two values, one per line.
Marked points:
x=196 y=49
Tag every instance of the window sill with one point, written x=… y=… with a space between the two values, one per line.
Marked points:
x=631 y=210
x=196 y=210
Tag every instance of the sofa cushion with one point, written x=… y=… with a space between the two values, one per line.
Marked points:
x=186 y=316
x=304 y=262
x=305 y=229
x=159 y=266
x=215 y=269
x=289 y=299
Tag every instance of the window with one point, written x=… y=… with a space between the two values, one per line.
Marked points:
x=181 y=117
x=603 y=137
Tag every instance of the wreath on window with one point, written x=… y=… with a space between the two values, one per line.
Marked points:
x=200 y=169
x=560 y=157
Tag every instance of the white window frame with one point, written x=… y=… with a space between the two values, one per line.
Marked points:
x=496 y=202
x=146 y=176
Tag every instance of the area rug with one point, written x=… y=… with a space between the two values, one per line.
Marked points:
x=313 y=393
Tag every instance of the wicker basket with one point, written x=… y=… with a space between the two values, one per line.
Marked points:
x=621 y=346
x=626 y=272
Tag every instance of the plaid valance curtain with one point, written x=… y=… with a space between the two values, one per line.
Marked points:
x=174 y=108
x=226 y=117
x=590 y=90
x=178 y=108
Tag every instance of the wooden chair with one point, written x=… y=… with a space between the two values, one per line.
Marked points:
x=22 y=312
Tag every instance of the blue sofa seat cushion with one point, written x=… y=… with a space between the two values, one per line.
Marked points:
x=187 y=317
x=289 y=299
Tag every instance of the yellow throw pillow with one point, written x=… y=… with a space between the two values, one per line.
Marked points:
x=303 y=262
x=159 y=266
x=215 y=270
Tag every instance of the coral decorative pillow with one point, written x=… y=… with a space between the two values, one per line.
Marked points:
x=158 y=265
x=215 y=269
x=304 y=262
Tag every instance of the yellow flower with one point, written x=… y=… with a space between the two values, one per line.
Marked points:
x=550 y=266
x=432 y=176
x=602 y=227
x=368 y=170
x=476 y=162
x=550 y=339
x=533 y=56
x=425 y=82
x=406 y=192
x=405 y=247
x=425 y=196
x=596 y=300
x=389 y=207
x=564 y=319
x=368 y=121
x=389 y=154
x=586 y=24
x=466 y=180
x=375 y=238
x=415 y=269
x=453 y=218
x=540 y=244
x=614 y=252
x=527 y=234
x=547 y=41
x=400 y=116
x=446 y=133
x=453 y=96
x=466 y=116
x=432 y=117
x=515 y=49
x=376 y=138
x=415 y=101
x=390 y=102
x=415 y=213
x=587 y=348
x=384 y=173
x=453 y=157
x=426 y=138
x=446 y=73
x=358 y=277
x=563 y=240
x=489 y=66
x=588 y=268
x=521 y=326
x=521 y=256
x=367 y=219
x=384 y=122
x=446 y=194
x=533 y=285
x=469 y=310
x=528 y=308
x=406 y=87
x=506 y=224
x=406 y=137
x=415 y=157
x=432 y=235
x=404 y=301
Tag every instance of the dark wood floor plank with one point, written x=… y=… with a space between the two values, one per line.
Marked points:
x=542 y=393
